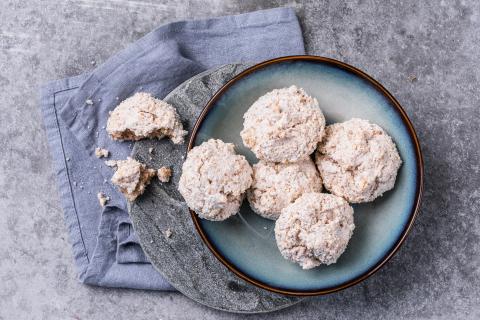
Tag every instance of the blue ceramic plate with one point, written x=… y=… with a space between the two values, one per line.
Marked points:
x=245 y=243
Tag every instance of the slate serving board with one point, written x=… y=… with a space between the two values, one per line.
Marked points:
x=182 y=258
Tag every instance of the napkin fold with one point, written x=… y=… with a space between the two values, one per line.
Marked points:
x=105 y=247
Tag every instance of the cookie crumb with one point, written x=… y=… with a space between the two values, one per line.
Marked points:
x=68 y=159
x=150 y=150
x=168 y=233
x=164 y=174
x=89 y=102
x=101 y=153
x=412 y=78
x=102 y=199
x=111 y=163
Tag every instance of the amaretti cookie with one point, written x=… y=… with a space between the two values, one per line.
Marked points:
x=315 y=229
x=357 y=160
x=143 y=116
x=284 y=125
x=277 y=185
x=214 y=180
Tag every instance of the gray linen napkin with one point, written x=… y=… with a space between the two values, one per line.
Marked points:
x=106 y=250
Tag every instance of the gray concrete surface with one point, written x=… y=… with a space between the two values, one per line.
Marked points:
x=426 y=54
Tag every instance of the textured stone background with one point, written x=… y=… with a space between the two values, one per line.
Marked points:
x=426 y=54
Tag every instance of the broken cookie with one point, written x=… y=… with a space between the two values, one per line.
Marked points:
x=132 y=177
x=143 y=116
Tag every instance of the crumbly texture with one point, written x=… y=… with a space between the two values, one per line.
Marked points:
x=277 y=185
x=214 y=180
x=164 y=174
x=315 y=229
x=132 y=177
x=357 y=160
x=284 y=125
x=102 y=199
x=143 y=116
x=101 y=153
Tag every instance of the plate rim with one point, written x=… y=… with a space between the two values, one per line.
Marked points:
x=419 y=181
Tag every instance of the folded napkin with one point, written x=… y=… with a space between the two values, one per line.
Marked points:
x=106 y=249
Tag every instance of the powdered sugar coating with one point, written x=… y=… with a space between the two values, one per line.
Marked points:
x=143 y=116
x=284 y=125
x=276 y=185
x=214 y=180
x=315 y=229
x=357 y=160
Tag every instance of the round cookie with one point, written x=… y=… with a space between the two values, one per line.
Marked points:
x=357 y=160
x=214 y=180
x=284 y=125
x=315 y=229
x=277 y=185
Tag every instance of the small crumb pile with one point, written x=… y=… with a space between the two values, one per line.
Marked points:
x=101 y=153
x=143 y=116
x=131 y=177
